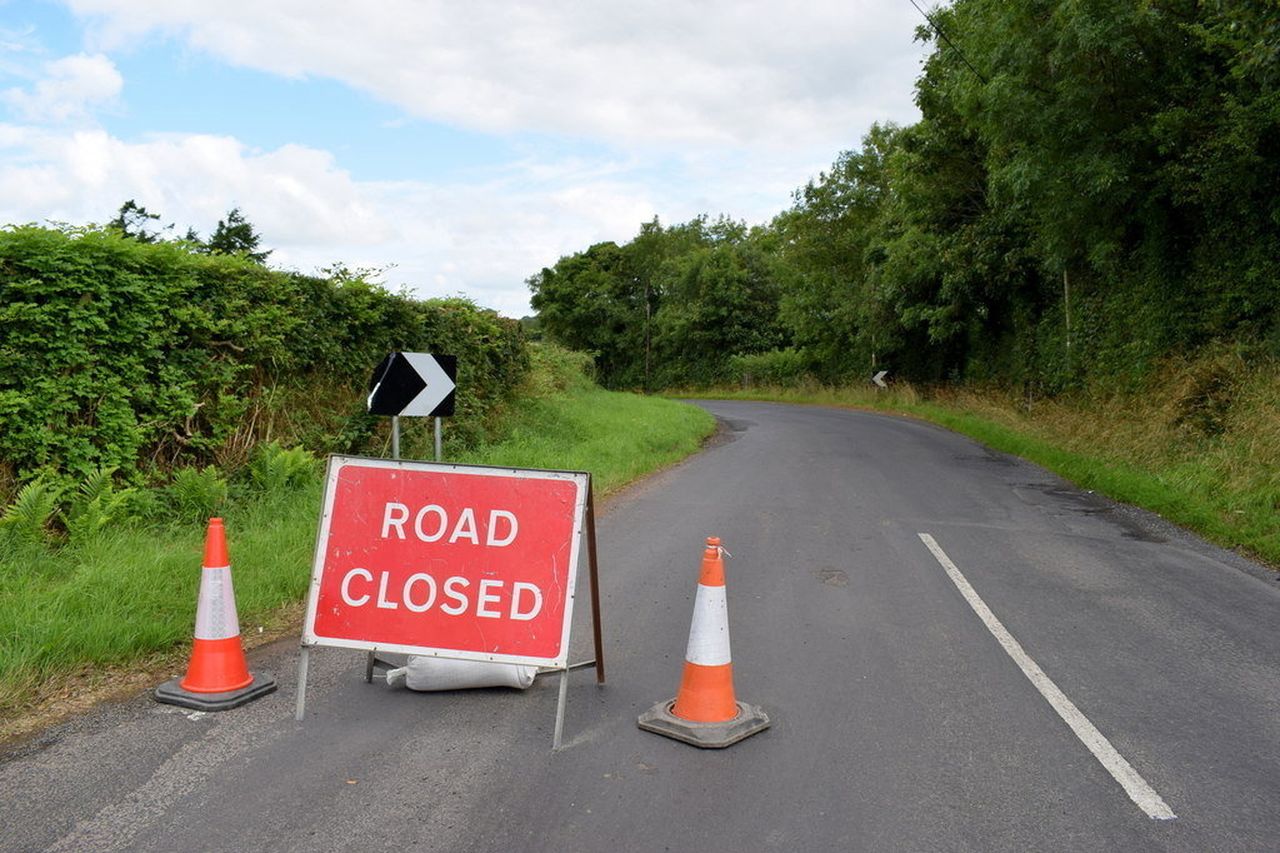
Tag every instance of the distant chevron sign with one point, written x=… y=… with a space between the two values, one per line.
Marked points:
x=879 y=378
x=414 y=384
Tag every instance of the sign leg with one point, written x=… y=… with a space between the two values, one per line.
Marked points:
x=302 y=683
x=564 y=694
x=438 y=429
x=594 y=570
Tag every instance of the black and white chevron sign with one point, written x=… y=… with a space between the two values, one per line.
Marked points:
x=414 y=384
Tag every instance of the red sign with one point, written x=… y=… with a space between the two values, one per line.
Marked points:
x=460 y=561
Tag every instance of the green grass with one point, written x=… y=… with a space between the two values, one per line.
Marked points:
x=127 y=594
x=617 y=437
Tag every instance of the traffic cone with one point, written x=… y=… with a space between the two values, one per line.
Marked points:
x=705 y=711
x=217 y=676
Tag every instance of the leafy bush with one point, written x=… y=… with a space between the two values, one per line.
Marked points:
x=558 y=370
x=116 y=354
x=777 y=367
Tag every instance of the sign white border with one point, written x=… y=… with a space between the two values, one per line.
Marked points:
x=334 y=468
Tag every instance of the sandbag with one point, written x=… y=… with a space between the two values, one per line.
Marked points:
x=426 y=673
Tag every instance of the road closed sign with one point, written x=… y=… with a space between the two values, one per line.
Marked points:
x=453 y=560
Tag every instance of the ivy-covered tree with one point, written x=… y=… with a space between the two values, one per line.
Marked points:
x=587 y=302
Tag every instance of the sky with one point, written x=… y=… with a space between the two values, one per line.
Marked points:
x=460 y=147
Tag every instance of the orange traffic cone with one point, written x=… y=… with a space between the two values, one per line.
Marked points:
x=217 y=676
x=705 y=711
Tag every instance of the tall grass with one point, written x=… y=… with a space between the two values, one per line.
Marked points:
x=125 y=593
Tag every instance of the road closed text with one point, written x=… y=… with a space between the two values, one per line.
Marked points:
x=432 y=522
x=491 y=599
x=488 y=598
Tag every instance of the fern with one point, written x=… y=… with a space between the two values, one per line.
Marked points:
x=28 y=517
x=198 y=493
x=96 y=504
x=276 y=469
x=96 y=485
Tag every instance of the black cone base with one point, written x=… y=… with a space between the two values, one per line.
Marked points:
x=170 y=693
x=660 y=720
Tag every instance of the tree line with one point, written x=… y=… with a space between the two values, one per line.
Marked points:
x=1093 y=185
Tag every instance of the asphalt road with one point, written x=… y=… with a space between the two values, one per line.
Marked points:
x=901 y=722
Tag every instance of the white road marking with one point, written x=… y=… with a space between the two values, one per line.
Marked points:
x=1142 y=794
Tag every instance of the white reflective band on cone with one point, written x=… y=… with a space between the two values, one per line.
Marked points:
x=216 y=608
x=709 y=635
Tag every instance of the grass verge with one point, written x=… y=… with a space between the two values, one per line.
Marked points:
x=115 y=610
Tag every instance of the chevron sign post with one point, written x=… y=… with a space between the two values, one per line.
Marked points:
x=413 y=384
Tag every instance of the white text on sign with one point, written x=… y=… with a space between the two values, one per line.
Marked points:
x=431 y=522
x=420 y=593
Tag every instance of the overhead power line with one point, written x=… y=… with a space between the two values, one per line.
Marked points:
x=942 y=35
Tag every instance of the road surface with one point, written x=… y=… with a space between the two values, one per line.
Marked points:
x=958 y=651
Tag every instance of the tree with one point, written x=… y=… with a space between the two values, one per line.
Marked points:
x=646 y=262
x=825 y=239
x=586 y=302
x=719 y=300
x=132 y=220
x=235 y=235
x=1093 y=185
x=1136 y=142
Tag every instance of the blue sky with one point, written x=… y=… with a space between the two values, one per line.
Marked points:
x=461 y=145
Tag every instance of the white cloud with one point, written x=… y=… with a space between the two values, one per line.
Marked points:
x=731 y=72
x=69 y=90
x=481 y=238
x=84 y=175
